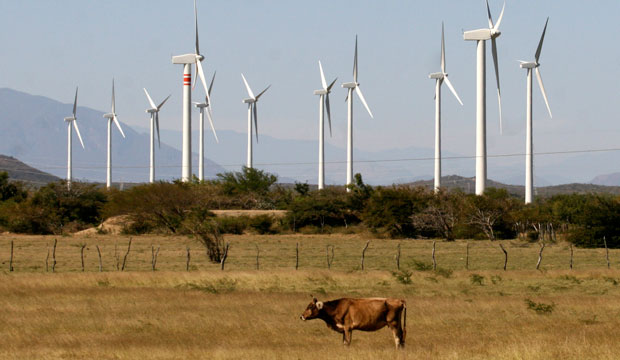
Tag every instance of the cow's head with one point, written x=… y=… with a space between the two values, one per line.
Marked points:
x=313 y=310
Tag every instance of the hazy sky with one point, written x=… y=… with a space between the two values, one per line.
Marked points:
x=49 y=47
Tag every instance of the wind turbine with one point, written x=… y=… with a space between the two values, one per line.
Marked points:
x=440 y=77
x=529 y=157
x=352 y=86
x=323 y=104
x=187 y=60
x=111 y=118
x=72 y=122
x=481 y=36
x=154 y=111
x=252 y=114
x=202 y=106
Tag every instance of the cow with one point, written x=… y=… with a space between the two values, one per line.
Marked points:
x=369 y=314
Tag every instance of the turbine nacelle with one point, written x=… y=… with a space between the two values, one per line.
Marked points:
x=201 y=105
x=321 y=92
x=68 y=119
x=248 y=101
x=437 y=75
x=528 y=64
x=108 y=116
x=350 y=85
x=186 y=59
x=479 y=35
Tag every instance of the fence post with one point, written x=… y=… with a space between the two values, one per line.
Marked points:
x=297 y=256
x=11 y=261
x=126 y=255
x=188 y=259
x=398 y=257
x=434 y=260
x=467 y=256
x=82 y=255
x=100 y=262
x=224 y=256
x=257 y=256
x=54 y=256
x=571 y=256
x=542 y=247
x=364 y=253
x=505 y=256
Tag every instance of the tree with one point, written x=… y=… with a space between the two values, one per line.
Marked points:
x=389 y=209
x=491 y=213
x=248 y=180
x=441 y=214
x=11 y=190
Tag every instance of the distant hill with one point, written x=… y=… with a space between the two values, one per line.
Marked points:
x=17 y=170
x=32 y=129
x=607 y=180
x=468 y=185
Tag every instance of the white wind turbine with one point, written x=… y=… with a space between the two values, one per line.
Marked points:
x=187 y=60
x=481 y=36
x=154 y=111
x=323 y=105
x=529 y=157
x=351 y=86
x=440 y=77
x=111 y=118
x=72 y=122
x=201 y=143
x=252 y=114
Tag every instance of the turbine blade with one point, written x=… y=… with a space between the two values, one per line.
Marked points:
x=118 y=125
x=329 y=88
x=355 y=62
x=452 y=89
x=329 y=115
x=75 y=102
x=501 y=15
x=489 y=14
x=499 y=94
x=163 y=102
x=250 y=93
x=542 y=89
x=211 y=84
x=361 y=96
x=113 y=100
x=157 y=126
x=443 y=51
x=540 y=44
x=150 y=99
x=255 y=112
x=262 y=92
x=77 y=130
x=196 y=19
x=204 y=82
x=323 y=82
x=212 y=127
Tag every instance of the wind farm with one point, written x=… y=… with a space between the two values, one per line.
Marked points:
x=409 y=213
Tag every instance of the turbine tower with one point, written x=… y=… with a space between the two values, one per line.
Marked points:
x=187 y=60
x=323 y=104
x=201 y=143
x=252 y=114
x=154 y=111
x=72 y=122
x=529 y=148
x=481 y=36
x=352 y=86
x=440 y=78
x=111 y=117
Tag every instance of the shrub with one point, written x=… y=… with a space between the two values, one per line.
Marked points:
x=403 y=277
x=262 y=224
x=476 y=279
x=539 y=308
x=232 y=224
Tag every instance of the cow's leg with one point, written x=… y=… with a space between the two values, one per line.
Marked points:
x=346 y=336
x=397 y=331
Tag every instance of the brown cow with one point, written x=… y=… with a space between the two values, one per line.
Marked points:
x=370 y=314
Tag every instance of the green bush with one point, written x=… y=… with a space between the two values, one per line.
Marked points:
x=262 y=224
x=232 y=224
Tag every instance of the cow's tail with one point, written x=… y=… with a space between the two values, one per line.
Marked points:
x=404 y=320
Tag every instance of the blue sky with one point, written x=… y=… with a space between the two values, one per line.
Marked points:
x=49 y=47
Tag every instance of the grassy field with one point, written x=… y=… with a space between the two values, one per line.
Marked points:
x=244 y=313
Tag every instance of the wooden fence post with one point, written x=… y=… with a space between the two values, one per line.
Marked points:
x=364 y=253
x=542 y=247
x=571 y=256
x=54 y=256
x=188 y=259
x=82 y=255
x=154 y=255
x=505 y=256
x=47 y=259
x=606 y=252
x=297 y=256
x=116 y=256
x=224 y=256
x=329 y=261
x=126 y=255
x=257 y=256
x=11 y=261
x=434 y=260
x=398 y=257
x=467 y=256
x=100 y=262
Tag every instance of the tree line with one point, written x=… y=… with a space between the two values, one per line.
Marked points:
x=397 y=211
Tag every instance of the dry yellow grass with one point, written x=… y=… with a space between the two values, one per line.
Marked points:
x=247 y=314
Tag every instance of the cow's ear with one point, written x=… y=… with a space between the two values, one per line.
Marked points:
x=319 y=305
